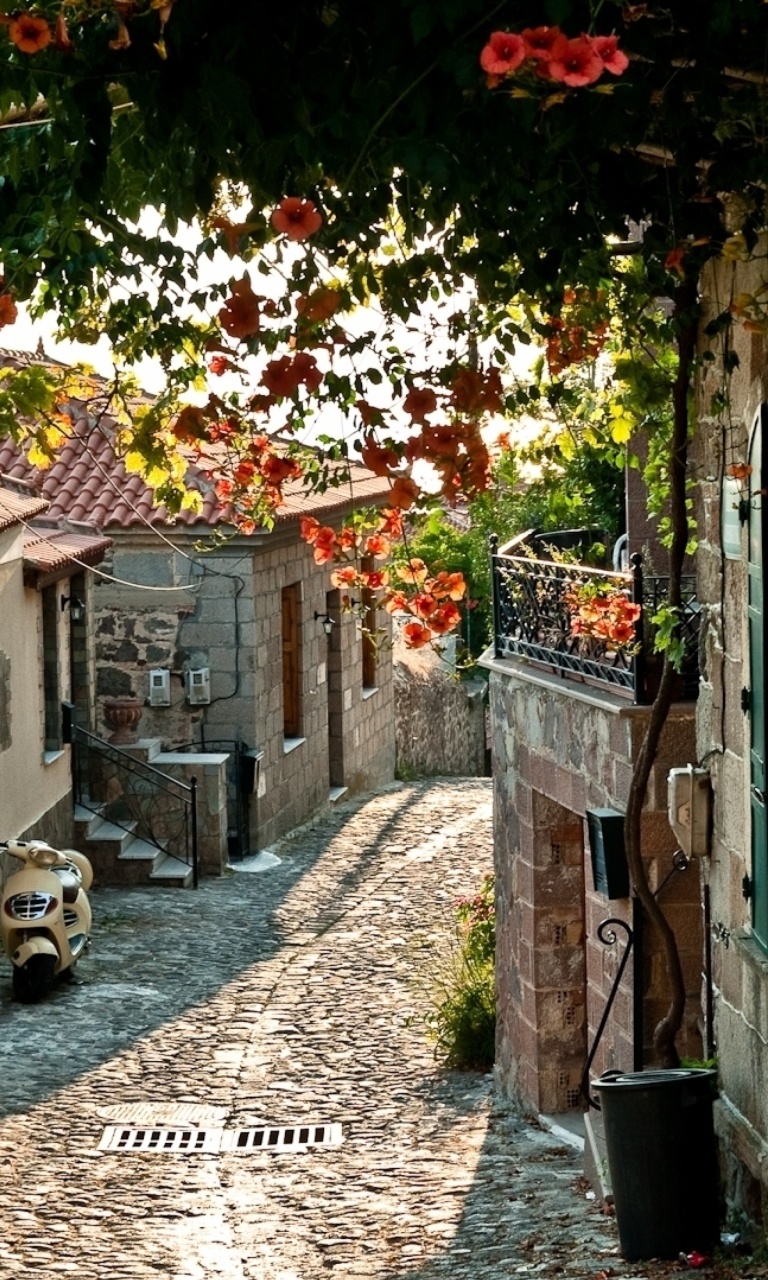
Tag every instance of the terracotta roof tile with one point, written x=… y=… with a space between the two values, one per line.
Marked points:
x=89 y=482
x=18 y=502
x=49 y=549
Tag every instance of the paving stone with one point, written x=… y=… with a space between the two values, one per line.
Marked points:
x=298 y=994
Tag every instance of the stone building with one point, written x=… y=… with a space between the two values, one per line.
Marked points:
x=234 y=644
x=564 y=746
x=45 y=640
x=731 y=470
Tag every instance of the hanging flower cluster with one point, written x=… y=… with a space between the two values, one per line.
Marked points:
x=579 y=332
x=546 y=54
x=602 y=613
x=429 y=600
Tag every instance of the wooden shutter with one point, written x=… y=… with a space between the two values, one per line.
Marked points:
x=757 y=677
x=291 y=663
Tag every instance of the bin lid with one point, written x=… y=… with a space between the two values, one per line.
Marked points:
x=657 y=1079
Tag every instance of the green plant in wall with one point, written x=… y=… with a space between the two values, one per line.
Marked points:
x=462 y=1021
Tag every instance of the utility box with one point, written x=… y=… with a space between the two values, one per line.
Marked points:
x=609 y=857
x=199 y=686
x=159 y=687
x=689 y=806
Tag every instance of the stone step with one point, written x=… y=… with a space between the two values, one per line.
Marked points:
x=172 y=872
x=140 y=850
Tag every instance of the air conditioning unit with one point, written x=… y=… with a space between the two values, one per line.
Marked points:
x=199 y=686
x=159 y=687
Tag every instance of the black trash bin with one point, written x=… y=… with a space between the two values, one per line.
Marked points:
x=662 y=1160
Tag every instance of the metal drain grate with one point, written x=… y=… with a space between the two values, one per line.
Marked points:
x=116 y=1138
x=286 y=1138
x=295 y=1137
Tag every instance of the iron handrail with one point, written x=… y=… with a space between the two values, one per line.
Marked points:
x=136 y=796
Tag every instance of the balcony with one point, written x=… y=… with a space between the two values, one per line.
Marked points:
x=585 y=624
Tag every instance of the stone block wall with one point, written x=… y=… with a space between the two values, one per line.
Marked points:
x=224 y=613
x=557 y=752
x=440 y=721
x=740 y=966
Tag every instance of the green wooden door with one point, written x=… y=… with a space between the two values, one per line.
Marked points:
x=757 y=668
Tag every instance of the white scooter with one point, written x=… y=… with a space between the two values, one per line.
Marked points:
x=45 y=918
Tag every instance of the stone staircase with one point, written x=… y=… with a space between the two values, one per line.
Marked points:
x=119 y=857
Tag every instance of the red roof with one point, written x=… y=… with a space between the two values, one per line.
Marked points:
x=88 y=482
x=18 y=502
x=48 y=550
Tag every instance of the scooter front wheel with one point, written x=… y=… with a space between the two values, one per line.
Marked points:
x=32 y=980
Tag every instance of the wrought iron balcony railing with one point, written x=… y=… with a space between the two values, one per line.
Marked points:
x=586 y=624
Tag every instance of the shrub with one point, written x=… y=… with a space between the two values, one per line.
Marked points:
x=463 y=1019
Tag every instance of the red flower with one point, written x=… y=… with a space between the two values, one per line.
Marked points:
x=61 y=38
x=576 y=63
x=276 y=470
x=324 y=542
x=414 y=571
x=391 y=523
x=374 y=579
x=416 y=635
x=279 y=377
x=219 y=365
x=449 y=584
x=240 y=314
x=404 y=493
x=418 y=403
x=347 y=538
x=344 y=577
x=607 y=49
x=674 y=261
x=296 y=218
x=309 y=528
x=378 y=546
x=306 y=371
x=540 y=42
x=445 y=618
x=8 y=310
x=379 y=458
x=423 y=604
x=503 y=53
x=29 y=34
x=396 y=602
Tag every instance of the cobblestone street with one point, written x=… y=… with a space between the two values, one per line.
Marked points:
x=294 y=995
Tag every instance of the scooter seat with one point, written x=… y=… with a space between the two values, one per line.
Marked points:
x=70 y=885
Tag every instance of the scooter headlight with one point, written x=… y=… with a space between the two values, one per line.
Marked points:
x=31 y=906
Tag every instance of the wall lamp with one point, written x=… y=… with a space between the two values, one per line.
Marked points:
x=76 y=607
x=326 y=621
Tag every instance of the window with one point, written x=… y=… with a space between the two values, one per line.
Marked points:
x=368 y=637
x=51 y=677
x=758 y=480
x=291 y=662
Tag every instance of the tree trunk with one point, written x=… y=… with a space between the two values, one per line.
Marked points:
x=666 y=1031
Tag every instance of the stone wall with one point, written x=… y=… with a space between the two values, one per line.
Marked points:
x=740 y=966
x=440 y=722
x=559 y=750
x=224 y=614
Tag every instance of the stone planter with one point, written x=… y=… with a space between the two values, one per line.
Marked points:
x=123 y=715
